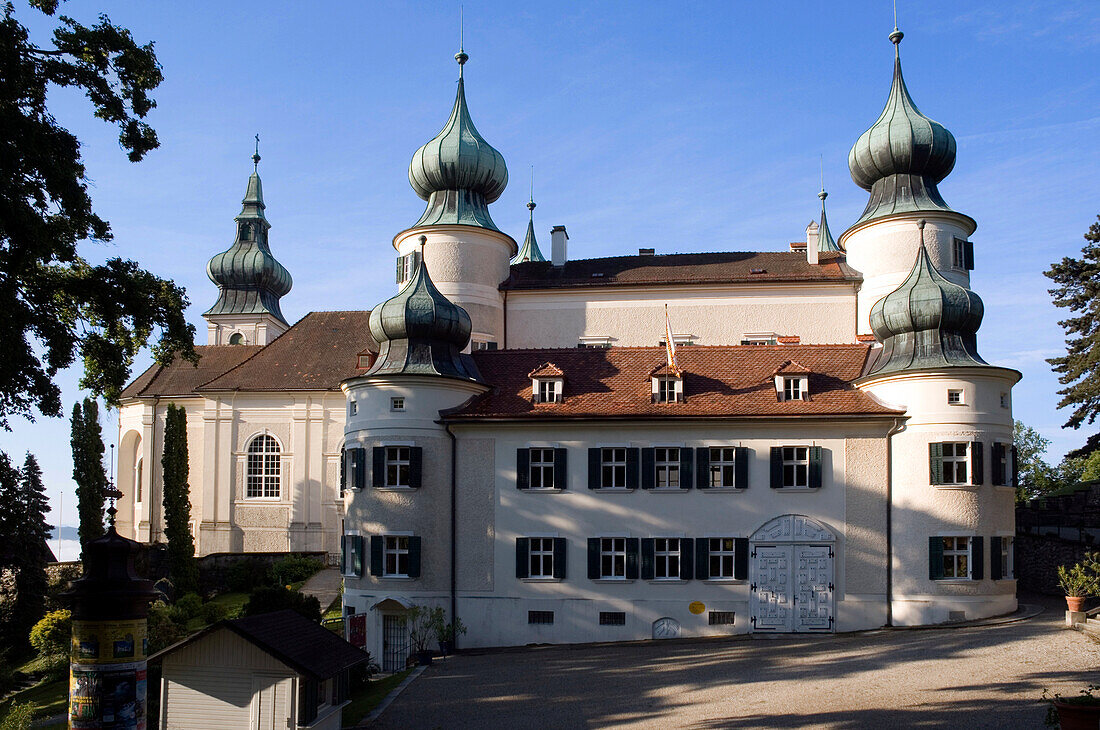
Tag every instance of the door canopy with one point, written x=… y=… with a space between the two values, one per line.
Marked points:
x=793 y=528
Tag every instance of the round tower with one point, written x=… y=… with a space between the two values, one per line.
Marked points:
x=459 y=174
x=952 y=461
x=900 y=160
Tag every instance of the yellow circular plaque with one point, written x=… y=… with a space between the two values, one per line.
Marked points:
x=697 y=607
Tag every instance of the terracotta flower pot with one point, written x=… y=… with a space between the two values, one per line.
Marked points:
x=1075 y=603
x=1074 y=716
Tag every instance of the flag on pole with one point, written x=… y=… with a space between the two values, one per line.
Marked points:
x=670 y=347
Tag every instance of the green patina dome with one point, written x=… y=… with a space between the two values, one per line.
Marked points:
x=903 y=156
x=458 y=173
x=927 y=322
x=421 y=332
x=250 y=280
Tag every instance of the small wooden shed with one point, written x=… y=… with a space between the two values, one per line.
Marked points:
x=270 y=672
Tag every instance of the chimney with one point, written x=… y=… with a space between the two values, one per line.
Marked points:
x=812 y=237
x=558 y=240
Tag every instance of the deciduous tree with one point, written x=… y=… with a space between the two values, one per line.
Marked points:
x=177 y=503
x=56 y=305
x=1078 y=291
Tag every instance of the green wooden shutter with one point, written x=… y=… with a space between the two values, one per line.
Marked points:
x=416 y=466
x=632 y=549
x=935 y=468
x=687 y=461
x=357 y=555
x=376 y=555
x=593 y=558
x=400 y=269
x=935 y=558
x=561 y=480
x=344 y=470
x=594 y=464
x=777 y=467
x=649 y=571
x=344 y=555
x=414 y=557
x=1015 y=468
x=359 y=457
x=997 y=471
x=632 y=468
x=649 y=467
x=815 y=467
x=414 y=263
x=969 y=247
x=977 y=462
x=977 y=558
x=559 y=558
x=741 y=558
x=378 y=477
x=995 y=572
x=523 y=469
x=702 y=471
x=702 y=558
x=687 y=558
x=523 y=553
x=741 y=457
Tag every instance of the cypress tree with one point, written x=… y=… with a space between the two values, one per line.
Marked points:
x=177 y=504
x=9 y=511
x=31 y=582
x=88 y=471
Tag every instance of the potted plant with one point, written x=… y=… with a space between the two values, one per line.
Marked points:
x=1074 y=713
x=421 y=621
x=445 y=633
x=1078 y=583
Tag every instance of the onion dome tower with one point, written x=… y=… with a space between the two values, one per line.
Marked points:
x=459 y=174
x=927 y=322
x=421 y=332
x=825 y=241
x=900 y=160
x=529 y=251
x=250 y=280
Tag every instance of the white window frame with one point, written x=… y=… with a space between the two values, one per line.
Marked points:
x=353 y=408
x=958 y=254
x=759 y=338
x=951 y=475
x=392 y=457
x=609 y=461
x=792 y=387
x=391 y=547
x=796 y=463
x=668 y=389
x=270 y=464
x=663 y=556
x=1005 y=401
x=667 y=468
x=346 y=570
x=1007 y=557
x=956 y=397
x=955 y=553
x=726 y=557
x=139 y=467
x=397 y=404
x=723 y=467
x=547 y=390
x=612 y=549
x=594 y=342
x=543 y=468
x=540 y=554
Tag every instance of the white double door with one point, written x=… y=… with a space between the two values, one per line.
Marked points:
x=793 y=587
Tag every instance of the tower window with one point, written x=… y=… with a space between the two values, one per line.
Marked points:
x=245 y=231
x=962 y=255
x=954 y=397
x=236 y=339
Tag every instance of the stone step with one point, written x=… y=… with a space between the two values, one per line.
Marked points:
x=1090 y=626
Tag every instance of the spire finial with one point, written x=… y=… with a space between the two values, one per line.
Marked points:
x=112 y=493
x=531 y=202
x=461 y=56
x=423 y=242
x=897 y=35
x=821 y=167
x=256 y=155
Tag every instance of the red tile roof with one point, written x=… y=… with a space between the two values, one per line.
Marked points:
x=181 y=378
x=792 y=367
x=679 y=268
x=546 y=370
x=733 y=381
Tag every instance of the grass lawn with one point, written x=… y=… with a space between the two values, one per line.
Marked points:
x=368 y=697
x=51 y=698
x=232 y=603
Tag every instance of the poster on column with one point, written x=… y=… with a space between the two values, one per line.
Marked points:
x=108 y=697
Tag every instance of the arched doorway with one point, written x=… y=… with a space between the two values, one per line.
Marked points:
x=791 y=570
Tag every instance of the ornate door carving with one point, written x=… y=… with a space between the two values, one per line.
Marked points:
x=813 y=588
x=771 y=601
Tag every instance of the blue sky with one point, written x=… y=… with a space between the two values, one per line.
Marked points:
x=683 y=127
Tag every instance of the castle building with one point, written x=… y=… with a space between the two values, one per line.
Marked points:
x=640 y=446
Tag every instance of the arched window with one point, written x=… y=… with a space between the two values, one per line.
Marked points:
x=246 y=232
x=263 y=467
x=236 y=339
x=137 y=480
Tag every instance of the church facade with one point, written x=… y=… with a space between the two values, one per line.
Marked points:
x=641 y=446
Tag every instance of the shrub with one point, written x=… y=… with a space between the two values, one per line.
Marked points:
x=266 y=600
x=244 y=575
x=295 y=568
x=19 y=717
x=212 y=612
x=53 y=633
x=163 y=629
x=189 y=606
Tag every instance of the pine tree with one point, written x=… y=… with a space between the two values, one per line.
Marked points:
x=31 y=582
x=9 y=511
x=88 y=471
x=177 y=504
x=1079 y=368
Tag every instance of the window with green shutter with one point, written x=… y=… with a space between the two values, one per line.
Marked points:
x=523 y=466
x=935 y=463
x=999 y=468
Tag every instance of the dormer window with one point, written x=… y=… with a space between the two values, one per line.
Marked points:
x=668 y=389
x=547 y=390
x=792 y=382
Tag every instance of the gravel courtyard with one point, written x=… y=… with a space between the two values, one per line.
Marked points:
x=980 y=677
